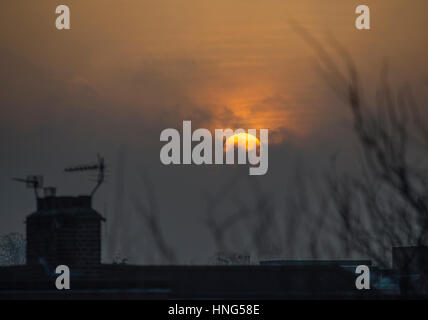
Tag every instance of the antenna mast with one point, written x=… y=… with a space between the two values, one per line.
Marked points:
x=99 y=166
x=33 y=182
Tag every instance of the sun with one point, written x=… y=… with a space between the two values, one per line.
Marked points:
x=246 y=139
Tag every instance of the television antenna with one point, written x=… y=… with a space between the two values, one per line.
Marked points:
x=34 y=182
x=99 y=166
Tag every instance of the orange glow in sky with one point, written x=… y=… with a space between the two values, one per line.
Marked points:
x=221 y=64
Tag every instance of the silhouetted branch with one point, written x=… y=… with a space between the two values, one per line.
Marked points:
x=150 y=214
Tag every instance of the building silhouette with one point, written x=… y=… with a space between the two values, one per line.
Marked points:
x=66 y=230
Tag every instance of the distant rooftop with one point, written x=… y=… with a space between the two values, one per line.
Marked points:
x=315 y=262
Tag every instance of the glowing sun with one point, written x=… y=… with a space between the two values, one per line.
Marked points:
x=242 y=140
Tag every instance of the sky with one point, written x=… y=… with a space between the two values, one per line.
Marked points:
x=129 y=69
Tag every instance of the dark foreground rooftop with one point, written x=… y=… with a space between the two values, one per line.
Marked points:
x=183 y=282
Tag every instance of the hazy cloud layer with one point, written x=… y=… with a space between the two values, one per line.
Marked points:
x=129 y=69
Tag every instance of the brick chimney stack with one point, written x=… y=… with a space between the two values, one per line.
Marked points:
x=64 y=230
